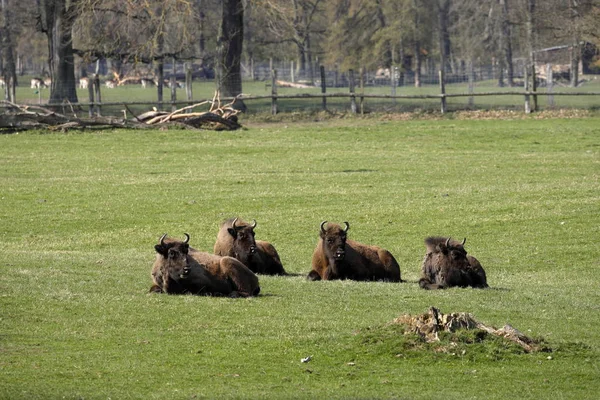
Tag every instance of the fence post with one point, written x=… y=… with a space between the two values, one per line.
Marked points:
x=534 y=88
x=292 y=78
x=393 y=81
x=550 y=84
x=188 y=83
x=442 y=90
x=274 y=92
x=91 y=96
x=362 y=89
x=173 y=84
x=526 y=87
x=323 y=87
x=471 y=81
x=352 y=97
x=97 y=93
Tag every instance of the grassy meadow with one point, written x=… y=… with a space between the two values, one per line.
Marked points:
x=81 y=212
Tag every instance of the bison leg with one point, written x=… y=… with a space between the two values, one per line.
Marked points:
x=155 y=289
x=313 y=276
x=243 y=280
x=428 y=285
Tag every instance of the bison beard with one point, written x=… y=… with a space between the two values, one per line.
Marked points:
x=337 y=257
x=180 y=269
x=446 y=264
x=236 y=239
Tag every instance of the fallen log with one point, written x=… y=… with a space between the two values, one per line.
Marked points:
x=29 y=117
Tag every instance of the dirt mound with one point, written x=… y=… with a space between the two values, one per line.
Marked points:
x=428 y=326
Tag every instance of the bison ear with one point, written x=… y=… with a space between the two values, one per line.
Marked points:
x=162 y=250
x=232 y=232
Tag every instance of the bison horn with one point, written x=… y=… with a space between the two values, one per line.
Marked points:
x=448 y=242
x=253 y=224
x=322 y=226
x=233 y=223
x=464 y=241
x=347 y=227
x=162 y=239
x=187 y=238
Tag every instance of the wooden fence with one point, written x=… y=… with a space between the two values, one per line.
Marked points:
x=356 y=98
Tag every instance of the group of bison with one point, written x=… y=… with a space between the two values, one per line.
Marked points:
x=231 y=270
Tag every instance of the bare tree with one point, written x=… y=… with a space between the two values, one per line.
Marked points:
x=9 y=72
x=443 y=13
x=229 y=48
x=56 y=19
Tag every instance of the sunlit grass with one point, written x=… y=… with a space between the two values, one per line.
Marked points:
x=81 y=212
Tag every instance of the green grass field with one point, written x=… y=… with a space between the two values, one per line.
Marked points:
x=81 y=212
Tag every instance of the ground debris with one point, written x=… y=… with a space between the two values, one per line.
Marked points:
x=428 y=326
x=27 y=117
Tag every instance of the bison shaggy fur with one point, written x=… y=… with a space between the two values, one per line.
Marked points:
x=236 y=239
x=336 y=257
x=447 y=264
x=180 y=269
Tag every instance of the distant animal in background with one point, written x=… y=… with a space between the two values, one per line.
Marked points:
x=447 y=264
x=180 y=269
x=337 y=257
x=84 y=83
x=236 y=239
x=37 y=83
x=145 y=82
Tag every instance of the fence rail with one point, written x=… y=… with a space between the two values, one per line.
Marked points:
x=358 y=95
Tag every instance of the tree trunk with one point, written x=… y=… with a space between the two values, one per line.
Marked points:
x=230 y=46
x=417 y=45
x=507 y=44
x=9 y=71
x=575 y=52
x=57 y=17
x=201 y=27
x=530 y=47
x=444 y=35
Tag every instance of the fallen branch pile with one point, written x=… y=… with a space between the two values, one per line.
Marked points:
x=27 y=117
x=429 y=324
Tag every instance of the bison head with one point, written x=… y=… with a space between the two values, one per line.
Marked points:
x=175 y=254
x=447 y=252
x=244 y=244
x=334 y=240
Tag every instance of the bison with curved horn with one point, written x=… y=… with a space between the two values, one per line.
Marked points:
x=447 y=264
x=337 y=257
x=180 y=269
x=236 y=239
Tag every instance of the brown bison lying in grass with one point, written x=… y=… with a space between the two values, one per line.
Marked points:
x=180 y=269
x=447 y=264
x=236 y=239
x=337 y=257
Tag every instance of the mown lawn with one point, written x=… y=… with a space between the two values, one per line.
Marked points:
x=80 y=213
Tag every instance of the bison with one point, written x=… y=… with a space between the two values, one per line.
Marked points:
x=236 y=239
x=180 y=269
x=446 y=264
x=336 y=257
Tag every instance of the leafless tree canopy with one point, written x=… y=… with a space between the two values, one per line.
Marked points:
x=55 y=37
